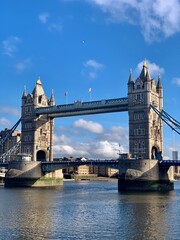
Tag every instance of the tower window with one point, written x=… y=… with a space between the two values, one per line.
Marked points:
x=138 y=97
x=39 y=99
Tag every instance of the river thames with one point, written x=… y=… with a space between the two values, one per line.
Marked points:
x=88 y=210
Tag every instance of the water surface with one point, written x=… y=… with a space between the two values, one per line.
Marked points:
x=88 y=210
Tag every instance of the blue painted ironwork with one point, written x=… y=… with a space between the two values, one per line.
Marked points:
x=115 y=164
x=169 y=163
x=85 y=108
x=10 y=151
x=4 y=164
x=3 y=140
x=169 y=120
x=52 y=166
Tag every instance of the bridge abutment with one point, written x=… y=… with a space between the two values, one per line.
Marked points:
x=144 y=175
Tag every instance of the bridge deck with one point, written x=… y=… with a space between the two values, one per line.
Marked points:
x=169 y=163
x=51 y=166
x=85 y=108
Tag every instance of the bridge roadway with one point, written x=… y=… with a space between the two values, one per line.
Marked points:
x=84 y=108
x=51 y=166
x=169 y=163
x=115 y=164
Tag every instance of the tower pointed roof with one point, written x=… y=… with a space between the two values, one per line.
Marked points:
x=52 y=100
x=159 y=84
x=144 y=71
x=24 y=92
x=148 y=77
x=130 y=77
x=38 y=90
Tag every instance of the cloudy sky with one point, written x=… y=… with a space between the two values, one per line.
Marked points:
x=74 y=45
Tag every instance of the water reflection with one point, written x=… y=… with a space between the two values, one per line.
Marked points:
x=146 y=215
x=26 y=214
x=88 y=211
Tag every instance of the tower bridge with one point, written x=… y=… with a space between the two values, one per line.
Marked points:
x=145 y=172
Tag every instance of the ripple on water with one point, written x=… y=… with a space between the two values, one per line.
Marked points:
x=91 y=210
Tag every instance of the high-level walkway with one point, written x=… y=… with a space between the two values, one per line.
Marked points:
x=85 y=108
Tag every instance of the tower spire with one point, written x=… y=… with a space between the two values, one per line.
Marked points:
x=52 y=101
x=130 y=77
x=159 y=85
x=145 y=63
x=144 y=71
x=24 y=92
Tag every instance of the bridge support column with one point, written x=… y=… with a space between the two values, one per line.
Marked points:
x=144 y=175
x=29 y=174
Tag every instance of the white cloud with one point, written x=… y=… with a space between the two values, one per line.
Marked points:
x=89 y=126
x=55 y=27
x=64 y=146
x=51 y=26
x=43 y=17
x=154 y=69
x=10 y=110
x=176 y=81
x=21 y=66
x=117 y=134
x=93 y=64
x=92 y=75
x=157 y=18
x=10 y=45
x=62 y=139
x=91 y=68
x=4 y=122
x=105 y=149
x=92 y=149
x=99 y=144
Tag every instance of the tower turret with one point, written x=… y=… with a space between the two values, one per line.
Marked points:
x=159 y=84
x=130 y=82
x=52 y=101
x=24 y=93
x=24 y=96
x=143 y=73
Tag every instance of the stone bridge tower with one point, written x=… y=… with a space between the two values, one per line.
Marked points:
x=37 y=131
x=145 y=126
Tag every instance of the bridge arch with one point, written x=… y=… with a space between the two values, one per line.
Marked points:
x=41 y=155
x=154 y=152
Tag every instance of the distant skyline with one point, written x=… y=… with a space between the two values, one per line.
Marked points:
x=84 y=50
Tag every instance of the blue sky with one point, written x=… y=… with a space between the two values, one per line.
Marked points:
x=74 y=45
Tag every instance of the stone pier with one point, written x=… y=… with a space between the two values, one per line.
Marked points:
x=144 y=175
x=29 y=174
